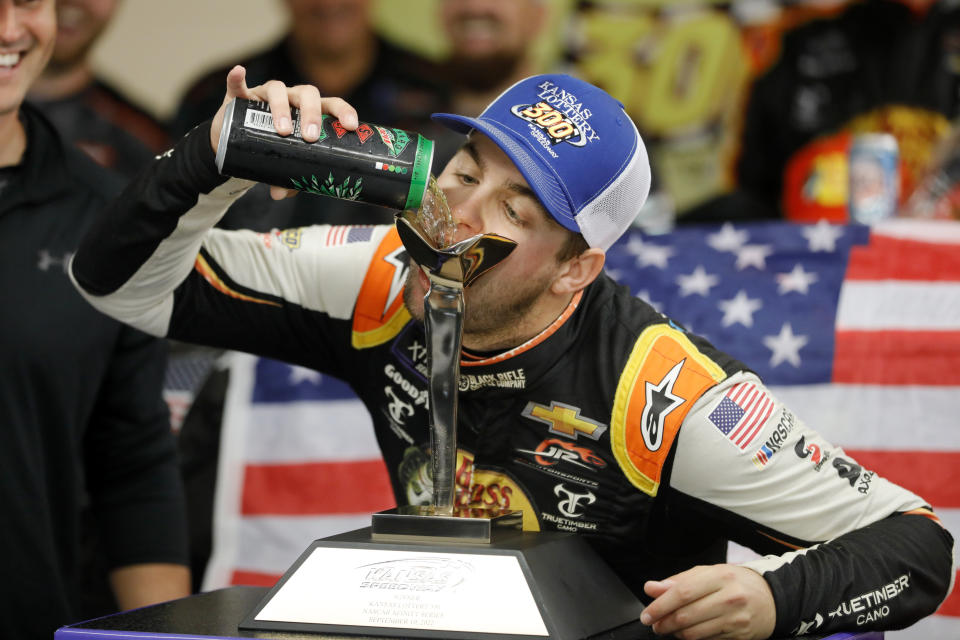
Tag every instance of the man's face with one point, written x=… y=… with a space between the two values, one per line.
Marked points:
x=27 y=32
x=487 y=29
x=488 y=194
x=79 y=24
x=328 y=26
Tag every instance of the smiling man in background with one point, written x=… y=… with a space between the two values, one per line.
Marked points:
x=86 y=440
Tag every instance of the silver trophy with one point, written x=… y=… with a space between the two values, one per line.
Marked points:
x=450 y=270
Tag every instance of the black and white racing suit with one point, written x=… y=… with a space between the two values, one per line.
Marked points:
x=610 y=423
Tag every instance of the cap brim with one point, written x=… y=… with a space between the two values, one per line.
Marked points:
x=545 y=184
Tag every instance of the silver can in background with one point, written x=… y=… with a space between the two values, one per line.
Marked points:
x=874 y=171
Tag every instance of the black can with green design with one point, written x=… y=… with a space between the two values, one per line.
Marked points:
x=376 y=164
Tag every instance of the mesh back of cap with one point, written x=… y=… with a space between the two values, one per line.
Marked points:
x=612 y=212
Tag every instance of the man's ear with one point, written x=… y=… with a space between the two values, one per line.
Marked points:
x=576 y=273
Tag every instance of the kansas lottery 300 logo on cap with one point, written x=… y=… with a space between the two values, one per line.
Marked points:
x=577 y=148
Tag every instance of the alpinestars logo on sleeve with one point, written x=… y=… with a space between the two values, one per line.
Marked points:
x=397 y=258
x=660 y=401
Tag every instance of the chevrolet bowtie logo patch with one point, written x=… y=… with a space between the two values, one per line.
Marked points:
x=564 y=420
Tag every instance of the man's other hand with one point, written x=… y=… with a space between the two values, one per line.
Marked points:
x=716 y=601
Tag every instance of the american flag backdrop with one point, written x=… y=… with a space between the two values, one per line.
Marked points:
x=857 y=330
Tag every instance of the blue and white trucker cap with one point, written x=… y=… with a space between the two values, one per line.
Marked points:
x=577 y=148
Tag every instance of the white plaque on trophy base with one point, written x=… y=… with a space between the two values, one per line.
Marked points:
x=523 y=585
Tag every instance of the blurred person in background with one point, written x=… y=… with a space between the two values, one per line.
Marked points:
x=86 y=436
x=86 y=110
x=331 y=44
x=118 y=134
x=491 y=47
x=885 y=66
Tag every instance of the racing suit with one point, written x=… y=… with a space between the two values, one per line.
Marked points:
x=614 y=422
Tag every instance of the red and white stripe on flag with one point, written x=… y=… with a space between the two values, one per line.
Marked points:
x=289 y=473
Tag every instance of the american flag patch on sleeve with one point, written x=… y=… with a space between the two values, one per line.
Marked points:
x=741 y=413
x=348 y=234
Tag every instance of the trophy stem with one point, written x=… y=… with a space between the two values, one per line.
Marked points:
x=449 y=270
x=443 y=316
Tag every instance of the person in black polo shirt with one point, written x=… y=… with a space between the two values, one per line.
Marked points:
x=85 y=433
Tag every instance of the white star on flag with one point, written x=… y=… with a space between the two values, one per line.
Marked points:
x=613 y=273
x=822 y=236
x=785 y=346
x=740 y=309
x=645 y=296
x=300 y=374
x=634 y=245
x=654 y=254
x=697 y=282
x=753 y=255
x=797 y=280
x=727 y=239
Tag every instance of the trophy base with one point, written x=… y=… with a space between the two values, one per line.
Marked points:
x=424 y=523
x=521 y=585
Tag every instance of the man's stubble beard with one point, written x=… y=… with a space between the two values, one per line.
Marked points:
x=482 y=74
x=66 y=60
x=486 y=313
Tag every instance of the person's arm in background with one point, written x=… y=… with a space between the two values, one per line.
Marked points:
x=133 y=479
x=847 y=550
x=139 y=585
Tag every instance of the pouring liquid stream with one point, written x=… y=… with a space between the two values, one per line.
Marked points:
x=434 y=218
